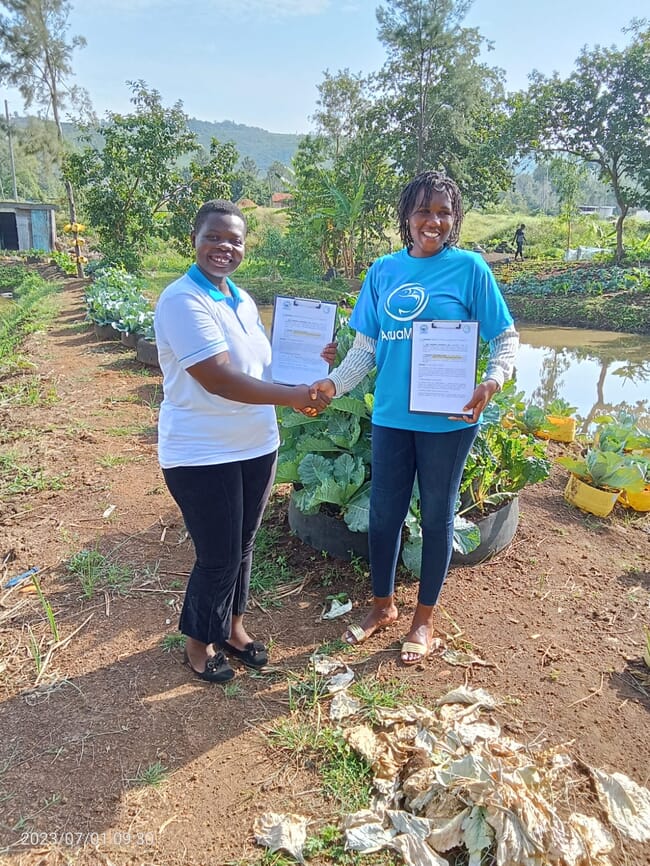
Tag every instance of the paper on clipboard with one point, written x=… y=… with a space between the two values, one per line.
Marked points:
x=301 y=329
x=444 y=355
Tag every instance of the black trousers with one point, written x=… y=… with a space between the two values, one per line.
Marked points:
x=222 y=506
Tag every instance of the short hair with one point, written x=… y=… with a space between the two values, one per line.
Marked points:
x=217 y=205
x=426 y=184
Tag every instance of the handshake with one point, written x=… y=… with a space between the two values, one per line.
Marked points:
x=314 y=398
x=319 y=394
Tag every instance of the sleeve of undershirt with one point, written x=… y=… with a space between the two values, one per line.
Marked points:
x=358 y=362
x=503 y=353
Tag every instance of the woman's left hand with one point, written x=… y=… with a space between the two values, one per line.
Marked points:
x=482 y=395
x=329 y=353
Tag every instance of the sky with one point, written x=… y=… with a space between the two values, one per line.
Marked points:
x=259 y=62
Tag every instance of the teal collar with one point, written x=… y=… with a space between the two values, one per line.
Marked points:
x=197 y=276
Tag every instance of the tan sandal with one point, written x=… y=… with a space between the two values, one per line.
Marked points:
x=357 y=633
x=413 y=648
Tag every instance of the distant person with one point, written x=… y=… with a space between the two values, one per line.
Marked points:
x=519 y=241
x=218 y=435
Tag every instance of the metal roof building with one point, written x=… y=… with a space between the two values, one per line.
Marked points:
x=27 y=225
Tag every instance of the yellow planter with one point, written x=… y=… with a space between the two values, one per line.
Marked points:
x=560 y=429
x=638 y=501
x=591 y=499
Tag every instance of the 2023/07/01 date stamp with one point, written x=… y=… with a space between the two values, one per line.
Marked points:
x=72 y=839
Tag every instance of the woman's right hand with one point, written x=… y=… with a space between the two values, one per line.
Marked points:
x=325 y=387
x=308 y=400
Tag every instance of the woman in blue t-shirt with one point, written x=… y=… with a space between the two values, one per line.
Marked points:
x=429 y=279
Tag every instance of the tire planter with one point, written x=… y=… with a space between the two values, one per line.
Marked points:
x=497 y=531
x=106 y=332
x=588 y=498
x=147 y=352
x=129 y=340
x=331 y=534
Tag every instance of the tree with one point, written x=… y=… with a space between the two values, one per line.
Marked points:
x=36 y=149
x=342 y=101
x=341 y=205
x=567 y=175
x=247 y=183
x=207 y=177
x=36 y=58
x=600 y=115
x=133 y=185
x=442 y=108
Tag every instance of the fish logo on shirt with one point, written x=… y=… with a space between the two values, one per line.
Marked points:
x=406 y=302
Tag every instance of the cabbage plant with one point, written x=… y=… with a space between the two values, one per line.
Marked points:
x=328 y=460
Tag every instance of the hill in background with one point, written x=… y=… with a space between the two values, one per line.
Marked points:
x=260 y=145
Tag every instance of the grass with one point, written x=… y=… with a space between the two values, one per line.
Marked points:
x=173 y=640
x=109 y=461
x=374 y=693
x=32 y=311
x=93 y=570
x=307 y=690
x=232 y=690
x=47 y=607
x=15 y=477
x=334 y=647
x=132 y=430
x=27 y=391
x=270 y=568
x=345 y=776
x=151 y=776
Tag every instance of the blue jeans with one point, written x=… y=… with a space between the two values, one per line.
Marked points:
x=222 y=506
x=438 y=459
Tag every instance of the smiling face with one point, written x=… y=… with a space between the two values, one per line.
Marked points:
x=219 y=242
x=430 y=224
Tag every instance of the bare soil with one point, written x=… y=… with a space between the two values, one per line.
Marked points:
x=557 y=619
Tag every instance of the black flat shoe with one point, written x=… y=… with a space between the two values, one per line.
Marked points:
x=254 y=654
x=217 y=669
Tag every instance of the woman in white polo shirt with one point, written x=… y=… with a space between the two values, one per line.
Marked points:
x=217 y=435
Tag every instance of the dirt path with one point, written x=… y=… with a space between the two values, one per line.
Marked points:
x=557 y=618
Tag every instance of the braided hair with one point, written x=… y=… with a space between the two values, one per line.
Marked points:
x=217 y=205
x=420 y=191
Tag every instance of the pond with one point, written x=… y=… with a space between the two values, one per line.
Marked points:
x=595 y=371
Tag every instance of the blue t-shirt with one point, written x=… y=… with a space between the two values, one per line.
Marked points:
x=400 y=289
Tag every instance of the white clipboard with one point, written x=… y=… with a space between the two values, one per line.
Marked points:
x=444 y=358
x=300 y=330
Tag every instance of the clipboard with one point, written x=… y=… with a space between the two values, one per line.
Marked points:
x=444 y=360
x=300 y=329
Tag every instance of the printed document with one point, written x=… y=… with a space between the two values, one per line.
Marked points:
x=444 y=356
x=300 y=331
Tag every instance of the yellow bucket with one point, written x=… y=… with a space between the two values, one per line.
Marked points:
x=638 y=501
x=588 y=498
x=559 y=429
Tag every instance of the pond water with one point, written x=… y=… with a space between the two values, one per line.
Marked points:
x=595 y=371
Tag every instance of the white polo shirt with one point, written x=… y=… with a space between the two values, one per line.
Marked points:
x=194 y=321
